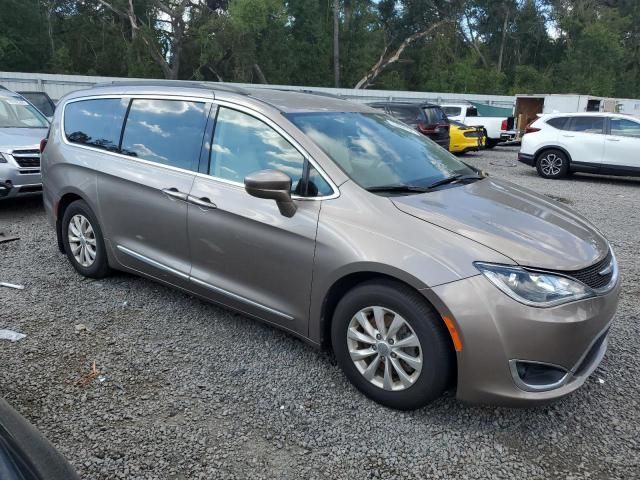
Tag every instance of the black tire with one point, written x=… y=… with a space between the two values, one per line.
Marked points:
x=552 y=164
x=100 y=266
x=435 y=344
x=491 y=143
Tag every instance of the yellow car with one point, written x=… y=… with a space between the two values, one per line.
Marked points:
x=463 y=138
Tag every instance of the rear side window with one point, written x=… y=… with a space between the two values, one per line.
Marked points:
x=472 y=112
x=96 y=123
x=625 y=128
x=406 y=114
x=169 y=132
x=586 y=124
x=435 y=115
x=559 y=122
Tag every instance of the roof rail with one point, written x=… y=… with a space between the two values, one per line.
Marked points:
x=311 y=92
x=175 y=83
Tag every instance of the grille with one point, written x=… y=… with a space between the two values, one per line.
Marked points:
x=590 y=276
x=27 y=158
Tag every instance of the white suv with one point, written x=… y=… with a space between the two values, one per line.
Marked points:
x=560 y=143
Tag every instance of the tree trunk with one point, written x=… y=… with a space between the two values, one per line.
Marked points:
x=504 y=40
x=259 y=73
x=384 y=61
x=473 y=43
x=171 y=68
x=336 y=43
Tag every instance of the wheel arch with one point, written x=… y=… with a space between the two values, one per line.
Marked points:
x=546 y=148
x=342 y=285
x=60 y=207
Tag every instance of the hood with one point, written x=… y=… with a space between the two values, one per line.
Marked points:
x=20 y=138
x=531 y=229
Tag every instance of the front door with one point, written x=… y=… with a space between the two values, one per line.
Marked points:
x=622 y=145
x=143 y=190
x=245 y=254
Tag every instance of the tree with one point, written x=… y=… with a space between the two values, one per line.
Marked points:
x=165 y=44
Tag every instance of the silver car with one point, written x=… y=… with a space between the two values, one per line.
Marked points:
x=22 y=127
x=340 y=225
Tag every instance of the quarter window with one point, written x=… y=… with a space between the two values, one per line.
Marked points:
x=625 y=128
x=243 y=145
x=586 y=124
x=169 y=132
x=559 y=122
x=96 y=123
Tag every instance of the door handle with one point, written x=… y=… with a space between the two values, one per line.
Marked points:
x=175 y=193
x=569 y=136
x=613 y=139
x=202 y=202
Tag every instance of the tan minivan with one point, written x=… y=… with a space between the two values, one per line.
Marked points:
x=340 y=225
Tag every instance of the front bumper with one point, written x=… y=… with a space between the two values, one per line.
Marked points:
x=15 y=181
x=495 y=330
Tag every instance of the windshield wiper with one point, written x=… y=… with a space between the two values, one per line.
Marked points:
x=453 y=178
x=405 y=188
x=398 y=188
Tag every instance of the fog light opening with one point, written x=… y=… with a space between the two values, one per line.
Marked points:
x=536 y=376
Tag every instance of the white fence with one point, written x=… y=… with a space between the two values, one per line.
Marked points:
x=56 y=86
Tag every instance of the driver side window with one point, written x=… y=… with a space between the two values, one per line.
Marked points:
x=625 y=128
x=243 y=145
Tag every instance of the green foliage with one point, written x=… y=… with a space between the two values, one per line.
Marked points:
x=483 y=46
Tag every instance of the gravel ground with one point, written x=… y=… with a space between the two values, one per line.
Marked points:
x=193 y=391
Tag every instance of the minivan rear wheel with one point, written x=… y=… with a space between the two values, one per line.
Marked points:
x=552 y=164
x=83 y=242
x=391 y=344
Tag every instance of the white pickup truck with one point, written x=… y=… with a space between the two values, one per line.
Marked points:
x=499 y=129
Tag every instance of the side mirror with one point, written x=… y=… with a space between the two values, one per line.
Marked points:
x=274 y=185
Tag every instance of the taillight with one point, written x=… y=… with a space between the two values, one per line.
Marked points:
x=43 y=144
x=424 y=128
x=531 y=130
x=504 y=125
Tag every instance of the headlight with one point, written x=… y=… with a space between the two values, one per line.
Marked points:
x=2 y=159
x=537 y=289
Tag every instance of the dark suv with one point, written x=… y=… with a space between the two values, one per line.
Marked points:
x=427 y=118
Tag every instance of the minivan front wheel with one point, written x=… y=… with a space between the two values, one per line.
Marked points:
x=391 y=345
x=552 y=164
x=83 y=242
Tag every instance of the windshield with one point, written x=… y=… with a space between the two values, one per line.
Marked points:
x=452 y=111
x=376 y=150
x=18 y=113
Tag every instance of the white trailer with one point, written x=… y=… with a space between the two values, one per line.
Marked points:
x=529 y=106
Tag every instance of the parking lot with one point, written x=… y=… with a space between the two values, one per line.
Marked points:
x=187 y=390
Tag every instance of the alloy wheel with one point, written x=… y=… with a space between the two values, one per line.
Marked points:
x=82 y=240
x=384 y=348
x=551 y=164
